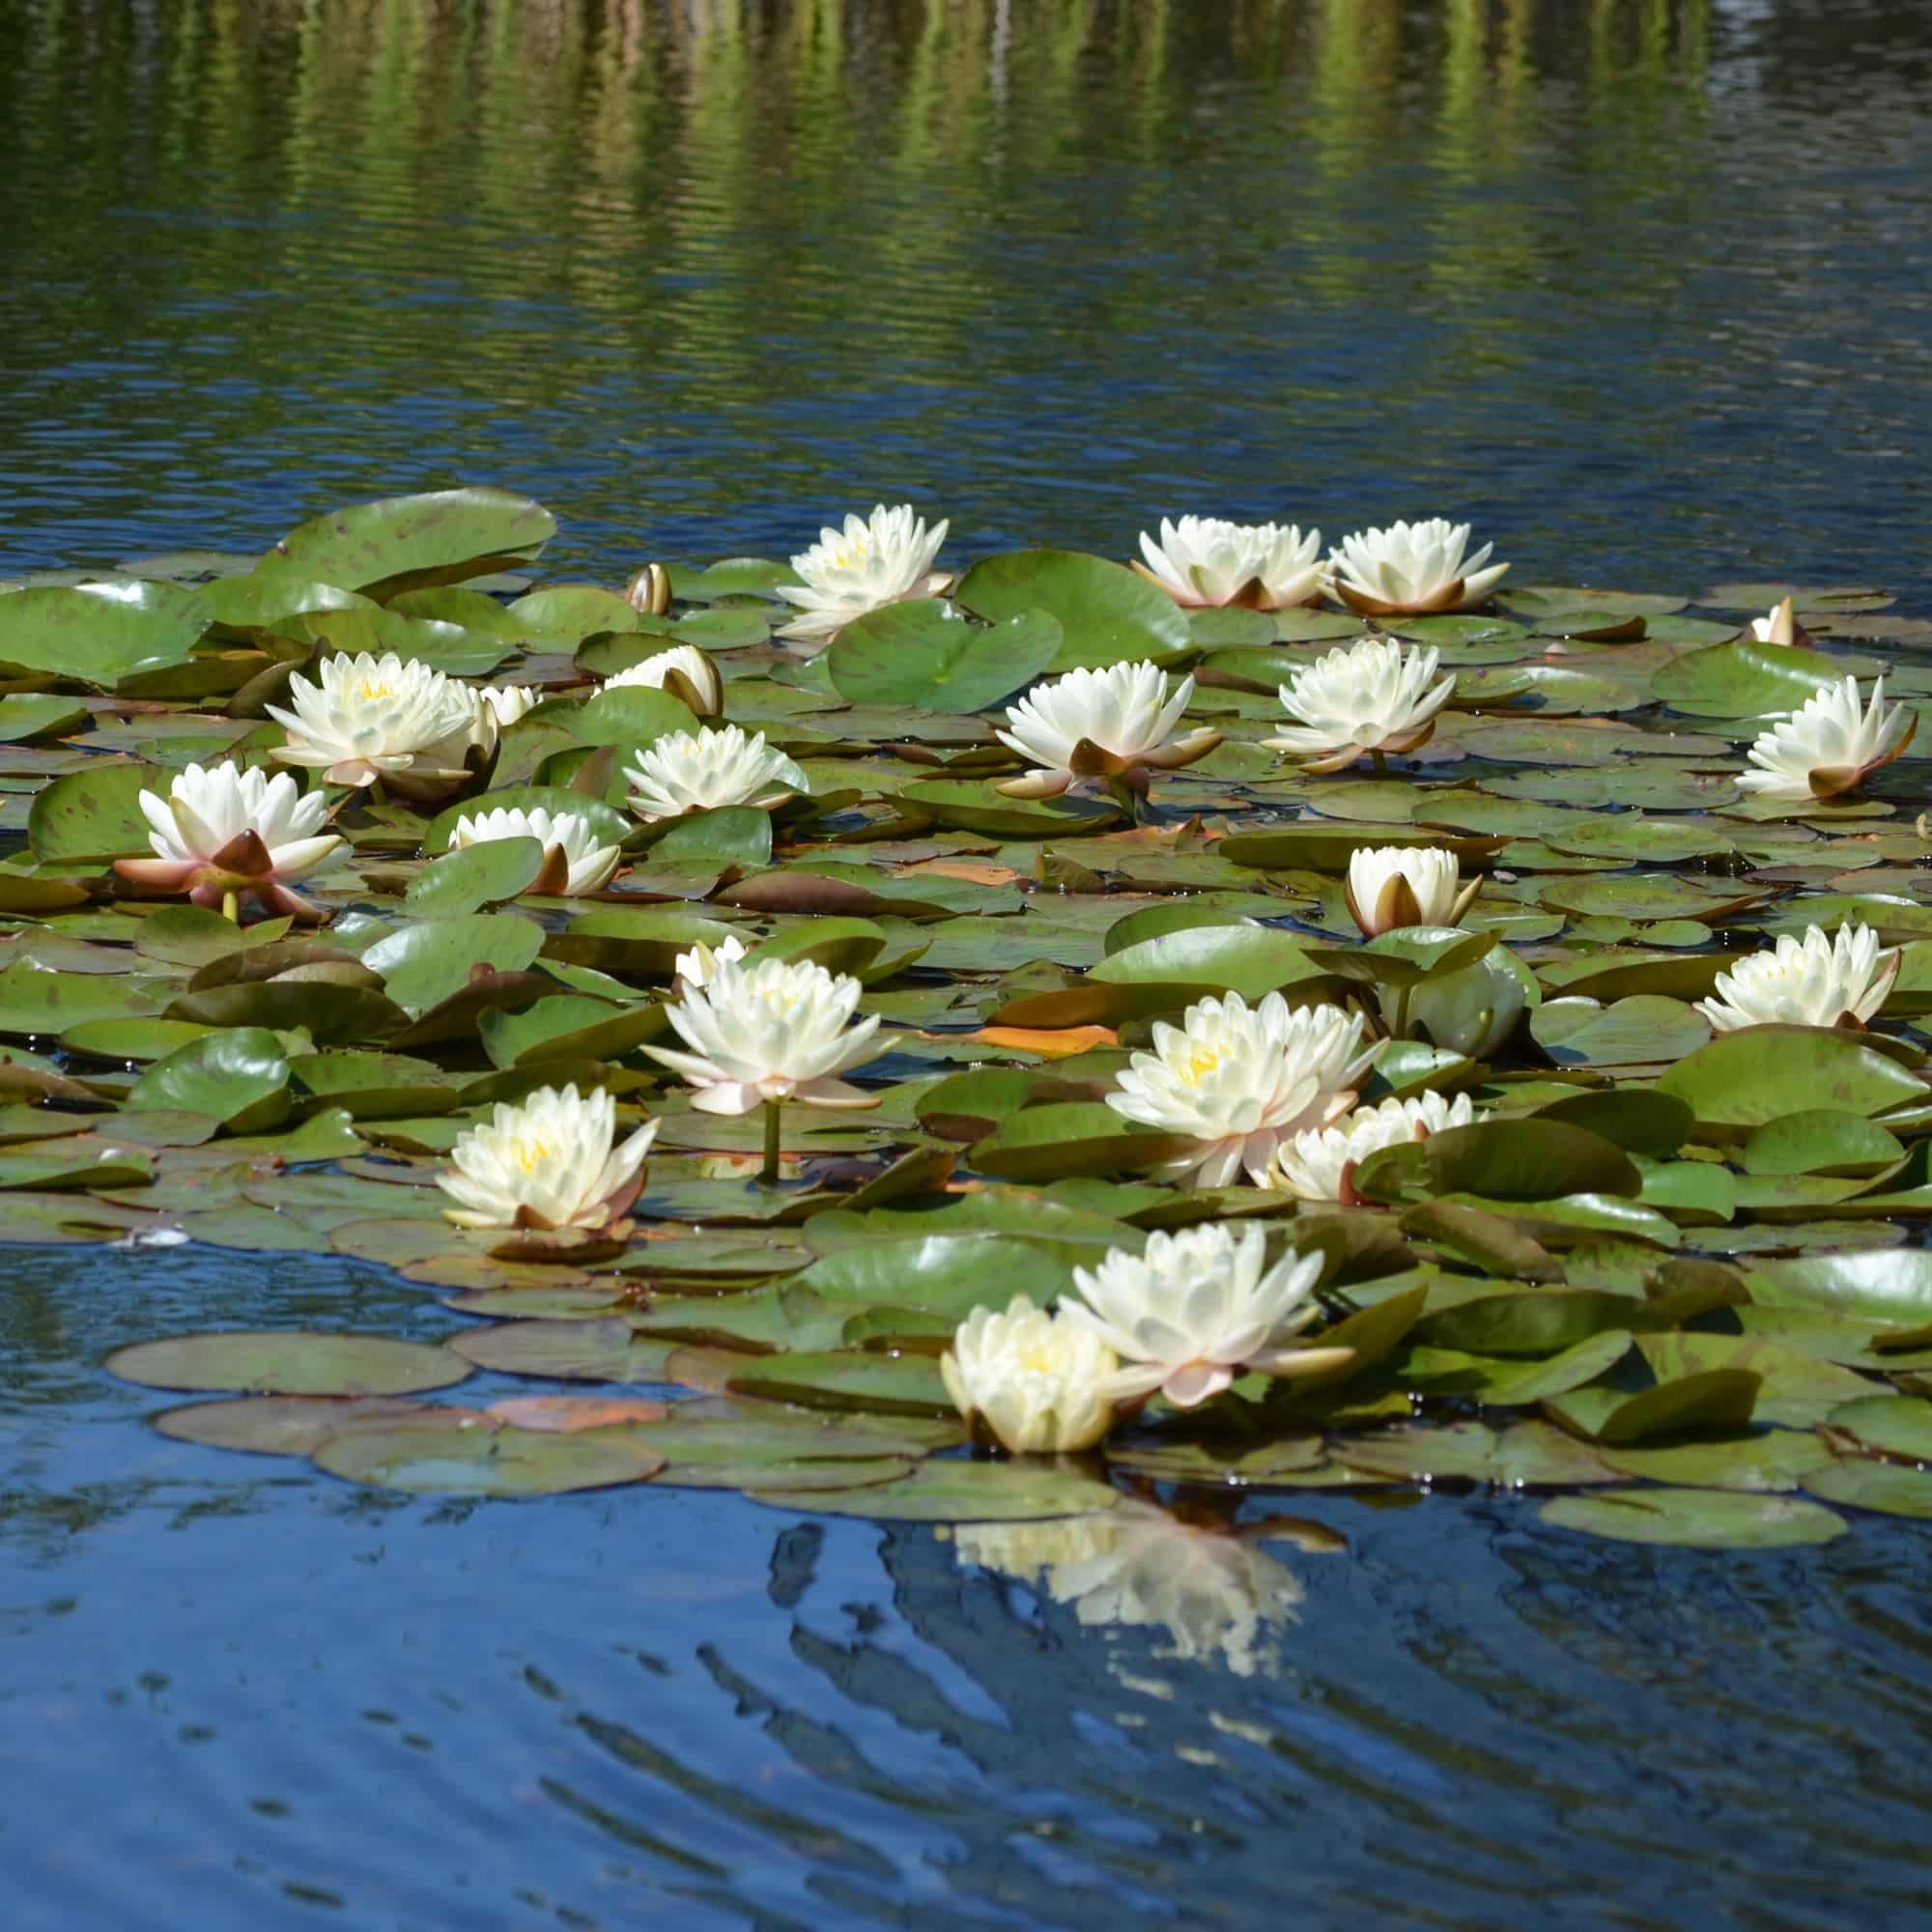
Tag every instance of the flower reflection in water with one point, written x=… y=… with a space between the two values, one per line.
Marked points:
x=1214 y=1592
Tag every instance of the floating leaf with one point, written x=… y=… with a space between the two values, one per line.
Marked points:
x=1698 y=1519
x=921 y=653
x=289 y=1362
x=1106 y=613
x=1747 y=1078
x=279 y=1425
x=100 y=633
x=237 y=1076
x=1887 y=1424
x=959 y=1492
x=406 y=543
x=1888 y=1488
x=461 y=1451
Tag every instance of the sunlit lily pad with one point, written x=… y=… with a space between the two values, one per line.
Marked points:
x=289 y=1362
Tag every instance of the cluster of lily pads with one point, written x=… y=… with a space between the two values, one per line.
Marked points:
x=1039 y=1043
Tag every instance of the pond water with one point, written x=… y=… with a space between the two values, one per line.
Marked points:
x=1641 y=287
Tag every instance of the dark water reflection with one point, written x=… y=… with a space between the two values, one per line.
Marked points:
x=1643 y=286
x=237 y=1693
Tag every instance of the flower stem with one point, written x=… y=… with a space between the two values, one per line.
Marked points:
x=1379 y=759
x=769 y=1172
x=231 y=906
x=1400 y=1031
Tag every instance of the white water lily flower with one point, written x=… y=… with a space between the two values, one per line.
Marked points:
x=1410 y=569
x=1113 y=721
x=1039 y=1384
x=1392 y=886
x=574 y=861
x=1237 y=1082
x=1195 y=1309
x=1817 y=981
x=1828 y=745
x=873 y=561
x=685 y=672
x=222 y=829
x=1219 y=1597
x=775 y=1030
x=1319 y=1166
x=702 y=770
x=1780 y=627
x=548 y=1161
x=1376 y=696
x=508 y=702
x=695 y=967
x=379 y=718
x=1206 y=562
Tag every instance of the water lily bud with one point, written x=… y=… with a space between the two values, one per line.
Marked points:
x=1471 y=1013
x=1394 y=886
x=685 y=672
x=648 y=591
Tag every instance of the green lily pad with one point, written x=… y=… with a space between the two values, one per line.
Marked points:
x=91 y=816
x=467 y=880
x=238 y=1076
x=1526 y=1454
x=1888 y=1488
x=279 y=1425
x=1697 y=1519
x=1107 y=614
x=886 y=1384
x=1887 y=1424
x=1025 y=1490
x=1757 y=1074
x=408 y=542
x=289 y=1362
x=1716 y=1402
x=100 y=633
x=1529 y=1160
x=1884 y=1286
x=458 y=1452
x=1070 y=1138
x=921 y=654
x=426 y=962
